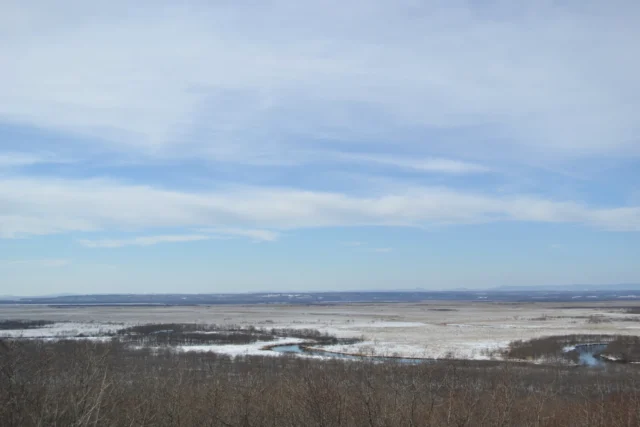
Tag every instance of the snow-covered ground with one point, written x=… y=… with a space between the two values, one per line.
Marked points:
x=253 y=349
x=431 y=330
x=476 y=350
x=383 y=324
x=65 y=330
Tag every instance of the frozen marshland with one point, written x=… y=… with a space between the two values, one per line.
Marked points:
x=423 y=330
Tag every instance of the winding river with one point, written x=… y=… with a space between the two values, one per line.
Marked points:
x=298 y=349
x=587 y=355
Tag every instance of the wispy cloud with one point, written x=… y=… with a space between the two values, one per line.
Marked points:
x=432 y=165
x=230 y=120
x=142 y=241
x=45 y=206
x=22 y=159
x=205 y=234
x=257 y=235
x=513 y=82
x=353 y=244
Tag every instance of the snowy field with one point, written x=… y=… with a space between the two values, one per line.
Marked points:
x=430 y=330
x=65 y=329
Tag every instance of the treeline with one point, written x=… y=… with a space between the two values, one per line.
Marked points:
x=174 y=334
x=552 y=348
x=624 y=349
x=23 y=324
x=79 y=383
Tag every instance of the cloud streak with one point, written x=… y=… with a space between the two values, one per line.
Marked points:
x=142 y=241
x=256 y=235
x=206 y=234
x=47 y=206
x=21 y=159
x=431 y=165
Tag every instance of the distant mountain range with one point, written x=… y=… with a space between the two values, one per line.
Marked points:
x=516 y=288
x=571 y=288
x=501 y=293
x=292 y=293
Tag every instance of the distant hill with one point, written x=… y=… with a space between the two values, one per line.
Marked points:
x=568 y=288
x=503 y=293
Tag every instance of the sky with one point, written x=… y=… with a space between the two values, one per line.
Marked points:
x=229 y=146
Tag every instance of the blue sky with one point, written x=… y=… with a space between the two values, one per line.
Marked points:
x=292 y=145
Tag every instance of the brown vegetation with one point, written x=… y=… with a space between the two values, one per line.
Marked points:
x=23 y=324
x=79 y=383
x=552 y=348
x=597 y=319
x=174 y=334
x=624 y=349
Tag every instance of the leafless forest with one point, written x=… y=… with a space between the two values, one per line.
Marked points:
x=81 y=383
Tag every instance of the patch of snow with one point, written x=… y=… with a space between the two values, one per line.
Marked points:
x=254 y=349
x=610 y=357
x=473 y=350
x=95 y=339
x=384 y=324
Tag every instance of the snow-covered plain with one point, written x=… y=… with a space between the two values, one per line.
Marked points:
x=65 y=330
x=430 y=330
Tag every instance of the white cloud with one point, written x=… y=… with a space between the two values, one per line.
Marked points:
x=142 y=241
x=247 y=83
x=45 y=206
x=353 y=244
x=213 y=233
x=17 y=159
x=424 y=95
x=256 y=235
x=437 y=165
x=208 y=234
